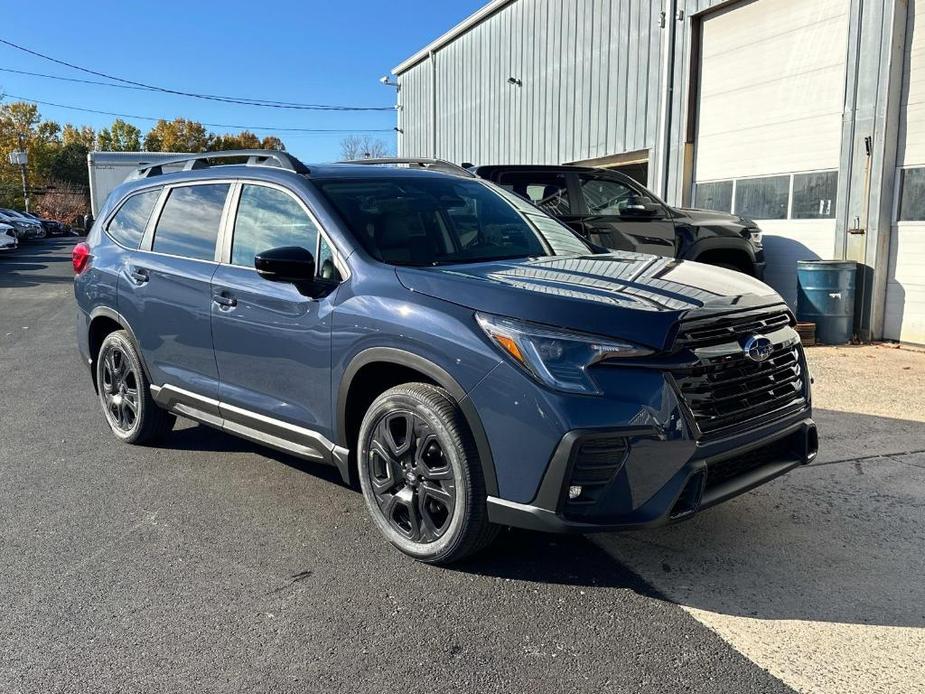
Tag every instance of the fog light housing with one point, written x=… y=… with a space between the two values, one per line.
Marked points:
x=574 y=491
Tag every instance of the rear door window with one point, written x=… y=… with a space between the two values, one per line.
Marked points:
x=190 y=221
x=128 y=226
x=546 y=190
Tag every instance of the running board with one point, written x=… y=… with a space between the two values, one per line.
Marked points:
x=283 y=436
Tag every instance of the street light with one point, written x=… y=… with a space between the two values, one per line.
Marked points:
x=19 y=157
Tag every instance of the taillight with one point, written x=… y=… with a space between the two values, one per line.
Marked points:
x=80 y=257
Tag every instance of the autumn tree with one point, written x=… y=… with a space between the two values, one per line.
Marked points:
x=120 y=137
x=244 y=140
x=18 y=126
x=363 y=147
x=178 y=135
x=85 y=136
x=272 y=142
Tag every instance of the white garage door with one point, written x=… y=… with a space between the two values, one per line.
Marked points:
x=772 y=86
x=904 y=317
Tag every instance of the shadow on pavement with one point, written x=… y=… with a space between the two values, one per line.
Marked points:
x=199 y=437
x=836 y=542
x=28 y=265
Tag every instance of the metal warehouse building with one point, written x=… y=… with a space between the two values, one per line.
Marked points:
x=806 y=115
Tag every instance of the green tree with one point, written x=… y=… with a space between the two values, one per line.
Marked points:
x=178 y=135
x=120 y=137
x=68 y=164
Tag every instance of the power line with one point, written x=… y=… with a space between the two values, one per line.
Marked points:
x=211 y=125
x=246 y=101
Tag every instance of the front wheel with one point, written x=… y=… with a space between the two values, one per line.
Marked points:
x=421 y=476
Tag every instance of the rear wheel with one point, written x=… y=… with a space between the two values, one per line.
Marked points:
x=421 y=476
x=125 y=393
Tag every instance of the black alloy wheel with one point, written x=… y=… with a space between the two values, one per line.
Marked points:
x=421 y=475
x=411 y=478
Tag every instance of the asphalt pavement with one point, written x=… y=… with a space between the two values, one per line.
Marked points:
x=209 y=564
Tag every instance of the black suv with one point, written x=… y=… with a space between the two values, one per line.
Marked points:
x=614 y=211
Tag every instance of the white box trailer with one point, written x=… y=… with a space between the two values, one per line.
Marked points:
x=109 y=169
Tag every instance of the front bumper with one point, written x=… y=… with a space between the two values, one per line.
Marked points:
x=714 y=473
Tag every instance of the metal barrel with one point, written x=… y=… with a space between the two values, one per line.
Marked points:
x=825 y=296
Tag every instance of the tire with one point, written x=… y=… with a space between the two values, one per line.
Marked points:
x=421 y=476
x=125 y=393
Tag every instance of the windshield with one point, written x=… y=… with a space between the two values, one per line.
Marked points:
x=440 y=221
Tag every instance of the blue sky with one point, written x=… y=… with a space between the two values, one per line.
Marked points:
x=309 y=52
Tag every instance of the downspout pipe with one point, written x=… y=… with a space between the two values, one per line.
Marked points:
x=433 y=104
x=665 y=98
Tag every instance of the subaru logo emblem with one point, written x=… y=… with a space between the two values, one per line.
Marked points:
x=758 y=348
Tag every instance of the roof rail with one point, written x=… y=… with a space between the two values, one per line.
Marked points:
x=417 y=162
x=255 y=157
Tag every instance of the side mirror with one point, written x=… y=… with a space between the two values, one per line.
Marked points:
x=286 y=264
x=640 y=208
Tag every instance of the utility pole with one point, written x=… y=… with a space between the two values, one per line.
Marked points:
x=21 y=157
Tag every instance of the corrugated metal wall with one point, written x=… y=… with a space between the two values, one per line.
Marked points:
x=590 y=81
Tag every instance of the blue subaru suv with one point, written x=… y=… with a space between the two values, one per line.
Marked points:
x=464 y=358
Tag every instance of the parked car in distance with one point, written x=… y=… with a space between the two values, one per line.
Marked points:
x=52 y=227
x=8 y=239
x=467 y=359
x=25 y=228
x=614 y=211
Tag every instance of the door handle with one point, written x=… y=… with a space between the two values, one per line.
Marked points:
x=138 y=275
x=224 y=301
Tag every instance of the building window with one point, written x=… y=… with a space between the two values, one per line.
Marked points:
x=763 y=198
x=912 y=195
x=814 y=195
x=716 y=195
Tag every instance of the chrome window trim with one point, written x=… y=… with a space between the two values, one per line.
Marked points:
x=147 y=242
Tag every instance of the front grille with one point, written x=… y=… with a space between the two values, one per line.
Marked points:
x=712 y=331
x=726 y=391
x=723 y=388
x=729 y=469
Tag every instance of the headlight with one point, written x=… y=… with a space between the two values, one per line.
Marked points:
x=754 y=237
x=556 y=358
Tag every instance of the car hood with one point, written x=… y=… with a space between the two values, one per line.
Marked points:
x=631 y=296
x=712 y=218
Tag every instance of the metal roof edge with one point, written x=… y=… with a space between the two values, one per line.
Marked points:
x=461 y=28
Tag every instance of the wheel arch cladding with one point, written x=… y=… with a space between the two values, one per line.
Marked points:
x=375 y=370
x=103 y=321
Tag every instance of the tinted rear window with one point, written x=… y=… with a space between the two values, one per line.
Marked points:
x=189 y=223
x=128 y=226
x=441 y=220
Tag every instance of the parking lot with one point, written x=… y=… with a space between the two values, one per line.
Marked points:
x=211 y=564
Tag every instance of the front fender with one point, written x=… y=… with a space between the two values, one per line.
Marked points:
x=436 y=338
